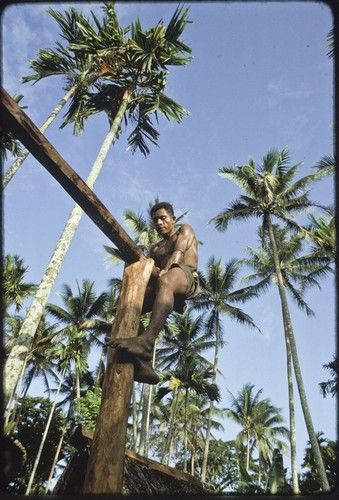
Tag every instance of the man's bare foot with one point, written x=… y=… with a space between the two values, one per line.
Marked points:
x=136 y=346
x=143 y=372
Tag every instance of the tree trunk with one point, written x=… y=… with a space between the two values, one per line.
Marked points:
x=211 y=409
x=146 y=412
x=297 y=371
x=30 y=324
x=44 y=436
x=146 y=407
x=173 y=413
x=23 y=155
x=293 y=440
x=185 y=430
x=104 y=474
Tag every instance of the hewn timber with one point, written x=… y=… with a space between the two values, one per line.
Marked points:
x=13 y=119
x=104 y=474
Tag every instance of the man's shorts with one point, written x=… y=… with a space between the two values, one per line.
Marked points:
x=192 y=280
x=192 y=287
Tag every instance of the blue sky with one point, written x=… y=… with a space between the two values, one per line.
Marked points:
x=260 y=78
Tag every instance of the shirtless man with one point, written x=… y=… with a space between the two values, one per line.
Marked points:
x=176 y=259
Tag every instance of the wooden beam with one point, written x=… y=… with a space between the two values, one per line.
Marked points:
x=105 y=469
x=13 y=119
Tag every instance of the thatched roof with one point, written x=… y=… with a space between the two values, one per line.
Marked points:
x=142 y=476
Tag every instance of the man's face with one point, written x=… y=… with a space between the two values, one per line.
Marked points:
x=163 y=222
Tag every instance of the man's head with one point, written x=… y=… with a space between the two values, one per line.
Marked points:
x=163 y=204
x=163 y=218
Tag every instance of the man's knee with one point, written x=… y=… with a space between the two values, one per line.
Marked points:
x=172 y=282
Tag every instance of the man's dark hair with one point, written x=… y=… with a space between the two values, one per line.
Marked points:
x=163 y=204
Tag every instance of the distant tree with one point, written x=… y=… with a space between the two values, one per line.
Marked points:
x=15 y=289
x=330 y=44
x=222 y=472
x=79 y=72
x=331 y=387
x=262 y=427
x=88 y=407
x=219 y=297
x=309 y=482
x=299 y=272
x=78 y=317
x=33 y=420
x=270 y=192
x=7 y=139
x=322 y=235
x=276 y=477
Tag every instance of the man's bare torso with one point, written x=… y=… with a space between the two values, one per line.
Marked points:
x=162 y=251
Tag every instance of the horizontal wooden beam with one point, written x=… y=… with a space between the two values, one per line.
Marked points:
x=13 y=119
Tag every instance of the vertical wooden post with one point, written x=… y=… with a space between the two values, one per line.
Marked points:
x=105 y=467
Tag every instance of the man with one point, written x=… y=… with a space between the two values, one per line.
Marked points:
x=176 y=259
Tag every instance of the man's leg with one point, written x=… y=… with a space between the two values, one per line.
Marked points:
x=171 y=283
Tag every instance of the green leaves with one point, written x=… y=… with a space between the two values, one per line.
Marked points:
x=269 y=189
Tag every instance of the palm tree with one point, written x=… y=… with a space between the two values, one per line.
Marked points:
x=296 y=269
x=331 y=386
x=79 y=313
x=184 y=338
x=271 y=193
x=7 y=140
x=216 y=295
x=322 y=234
x=260 y=422
x=15 y=289
x=136 y=73
x=326 y=165
x=38 y=363
x=330 y=44
x=189 y=376
x=73 y=352
x=79 y=72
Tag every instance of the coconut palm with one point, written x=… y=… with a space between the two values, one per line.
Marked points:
x=73 y=352
x=184 y=338
x=326 y=165
x=137 y=73
x=7 y=139
x=322 y=234
x=79 y=312
x=296 y=269
x=218 y=297
x=270 y=193
x=189 y=376
x=330 y=44
x=78 y=72
x=331 y=386
x=15 y=289
x=261 y=425
x=38 y=363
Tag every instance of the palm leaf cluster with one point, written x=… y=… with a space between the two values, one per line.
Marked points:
x=133 y=63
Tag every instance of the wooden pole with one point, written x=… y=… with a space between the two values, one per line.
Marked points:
x=13 y=119
x=104 y=474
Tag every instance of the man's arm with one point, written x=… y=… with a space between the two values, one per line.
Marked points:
x=183 y=242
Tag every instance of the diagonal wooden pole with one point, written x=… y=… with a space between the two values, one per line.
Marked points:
x=13 y=119
x=104 y=474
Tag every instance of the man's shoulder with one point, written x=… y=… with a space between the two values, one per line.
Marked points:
x=186 y=228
